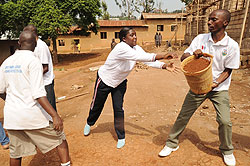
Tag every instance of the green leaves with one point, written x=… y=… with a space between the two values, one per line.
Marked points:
x=50 y=20
x=51 y=17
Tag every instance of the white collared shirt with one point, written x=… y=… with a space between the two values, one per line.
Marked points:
x=226 y=54
x=122 y=60
x=43 y=54
x=21 y=77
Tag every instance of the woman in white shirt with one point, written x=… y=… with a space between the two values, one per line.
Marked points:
x=111 y=78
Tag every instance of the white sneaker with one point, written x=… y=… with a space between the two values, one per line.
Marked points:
x=120 y=143
x=86 y=129
x=229 y=159
x=167 y=151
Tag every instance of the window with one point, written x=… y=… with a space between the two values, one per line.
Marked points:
x=61 y=42
x=160 y=27
x=103 y=35
x=117 y=35
x=173 y=28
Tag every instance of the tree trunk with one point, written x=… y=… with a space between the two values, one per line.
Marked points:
x=54 y=53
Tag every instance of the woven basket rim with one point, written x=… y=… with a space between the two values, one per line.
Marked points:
x=188 y=59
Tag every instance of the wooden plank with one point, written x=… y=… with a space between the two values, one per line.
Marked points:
x=244 y=23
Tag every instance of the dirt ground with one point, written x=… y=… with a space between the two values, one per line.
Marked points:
x=152 y=103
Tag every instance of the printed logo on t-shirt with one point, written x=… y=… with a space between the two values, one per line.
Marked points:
x=13 y=69
x=203 y=48
x=224 y=52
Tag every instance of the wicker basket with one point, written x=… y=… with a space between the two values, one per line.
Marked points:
x=199 y=82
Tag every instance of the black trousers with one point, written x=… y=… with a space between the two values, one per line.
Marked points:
x=51 y=94
x=101 y=93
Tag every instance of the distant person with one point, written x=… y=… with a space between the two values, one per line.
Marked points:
x=169 y=44
x=226 y=54
x=112 y=78
x=113 y=44
x=42 y=52
x=28 y=114
x=79 y=47
x=4 y=140
x=157 y=40
x=160 y=39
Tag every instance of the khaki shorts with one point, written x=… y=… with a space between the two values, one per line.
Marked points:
x=24 y=142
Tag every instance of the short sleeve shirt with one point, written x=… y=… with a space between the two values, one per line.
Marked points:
x=21 y=77
x=42 y=52
x=226 y=55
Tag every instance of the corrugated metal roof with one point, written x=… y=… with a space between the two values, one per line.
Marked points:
x=161 y=15
x=122 y=23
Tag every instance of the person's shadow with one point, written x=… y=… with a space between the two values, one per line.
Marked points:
x=109 y=127
x=48 y=159
x=189 y=134
x=240 y=142
x=51 y=158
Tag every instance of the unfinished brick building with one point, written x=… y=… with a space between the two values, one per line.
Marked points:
x=238 y=29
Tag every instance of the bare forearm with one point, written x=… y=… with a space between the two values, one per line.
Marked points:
x=57 y=121
x=224 y=75
x=43 y=101
x=160 y=56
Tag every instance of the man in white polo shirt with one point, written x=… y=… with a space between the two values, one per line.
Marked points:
x=226 y=54
x=28 y=114
x=42 y=52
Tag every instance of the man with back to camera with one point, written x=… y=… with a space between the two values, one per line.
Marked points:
x=28 y=114
x=42 y=52
x=226 y=54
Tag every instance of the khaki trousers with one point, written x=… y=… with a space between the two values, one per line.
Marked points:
x=220 y=100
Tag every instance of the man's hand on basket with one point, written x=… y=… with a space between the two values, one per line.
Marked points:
x=198 y=53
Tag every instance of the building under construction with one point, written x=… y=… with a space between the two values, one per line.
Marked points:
x=238 y=28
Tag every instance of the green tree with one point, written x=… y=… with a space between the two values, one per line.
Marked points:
x=51 y=21
x=105 y=13
x=128 y=7
x=16 y=15
x=147 y=5
x=51 y=17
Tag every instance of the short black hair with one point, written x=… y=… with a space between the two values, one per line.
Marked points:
x=31 y=28
x=226 y=13
x=123 y=32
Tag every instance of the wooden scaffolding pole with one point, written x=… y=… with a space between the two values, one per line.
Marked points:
x=197 y=18
x=176 y=30
x=223 y=3
x=244 y=23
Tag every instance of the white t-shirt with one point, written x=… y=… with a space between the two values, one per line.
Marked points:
x=226 y=55
x=42 y=52
x=21 y=78
x=122 y=60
